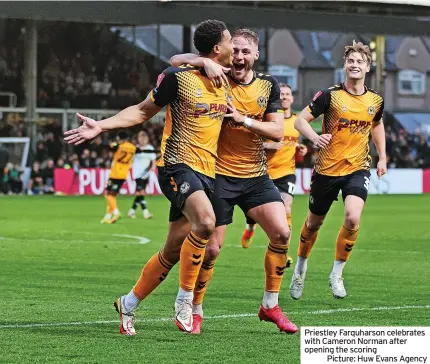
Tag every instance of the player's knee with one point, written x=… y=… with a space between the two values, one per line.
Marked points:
x=281 y=238
x=212 y=252
x=205 y=227
x=352 y=220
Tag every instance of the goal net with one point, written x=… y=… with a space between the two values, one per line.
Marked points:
x=18 y=149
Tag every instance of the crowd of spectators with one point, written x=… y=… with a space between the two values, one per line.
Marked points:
x=93 y=69
x=96 y=69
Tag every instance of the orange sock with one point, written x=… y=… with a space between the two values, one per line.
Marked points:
x=154 y=272
x=345 y=242
x=111 y=203
x=307 y=241
x=205 y=276
x=275 y=263
x=192 y=255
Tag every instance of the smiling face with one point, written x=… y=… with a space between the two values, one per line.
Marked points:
x=245 y=53
x=356 y=66
x=287 y=97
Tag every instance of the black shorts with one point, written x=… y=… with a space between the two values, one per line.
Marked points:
x=246 y=193
x=178 y=182
x=286 y=184
x=114 y=185
x=325 y=189
x=141 y=184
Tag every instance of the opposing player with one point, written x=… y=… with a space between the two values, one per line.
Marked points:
x=143 y=163
x=351 y=112
x=242 y=177
x=194 y=116
x=281 y=162
x=121 y=163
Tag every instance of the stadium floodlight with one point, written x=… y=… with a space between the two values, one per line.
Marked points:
x=18 y=149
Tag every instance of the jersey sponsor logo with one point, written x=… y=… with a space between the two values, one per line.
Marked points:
x=290 y=141
x=185 y=187
x=215 y=110
x=355 y=126
x=160 y=78
x=201 y=109
x=371 y=110
x=318 y=94
x=199 y=92
x=344 y=109
x=261 y=101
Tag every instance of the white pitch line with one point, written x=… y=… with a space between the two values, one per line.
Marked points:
x=218 y=317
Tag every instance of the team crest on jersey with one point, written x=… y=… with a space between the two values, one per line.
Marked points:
x=261 y=101
x=371 y=110
x=199 y=92
x=185 y=187
x=344 y=109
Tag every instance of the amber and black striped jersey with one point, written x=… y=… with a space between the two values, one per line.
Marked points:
x=122 y=160
x=240 y=152
x=194 y=116
x=282 y=162
x=349 y=119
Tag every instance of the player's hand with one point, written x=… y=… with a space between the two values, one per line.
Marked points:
x=323 y=140
x=234 y=114
x=216 y=73
x=302 y=149
x=88 y=130
x=381 y=168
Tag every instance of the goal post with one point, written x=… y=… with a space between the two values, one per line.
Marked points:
x=18 y=149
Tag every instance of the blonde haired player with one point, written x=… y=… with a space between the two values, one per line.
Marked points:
x=281 y=163
x=351 y=112
x=121 y=163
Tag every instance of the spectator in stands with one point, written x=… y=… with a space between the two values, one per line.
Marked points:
x=35 y=184
x=48 y=177
x=85 y=160
x=4 y=159
x=14 y=179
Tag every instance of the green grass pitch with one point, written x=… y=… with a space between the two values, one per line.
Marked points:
x=61 y=271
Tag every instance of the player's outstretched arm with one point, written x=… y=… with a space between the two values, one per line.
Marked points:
x=272 y=128
x=378 y=136
x=215 y=72
x=302 y=126
x=126 y=118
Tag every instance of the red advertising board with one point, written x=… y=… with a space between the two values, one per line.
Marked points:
x=426 y=180
x=92 y=181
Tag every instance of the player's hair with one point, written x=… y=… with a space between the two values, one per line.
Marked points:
x=285 y=85
x=248 y=34
x=122 y=135
x=359 y=47
x=208 y=34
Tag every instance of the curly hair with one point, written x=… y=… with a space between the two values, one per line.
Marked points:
x=248 y=34
x=208 y=34
x=359 y=47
